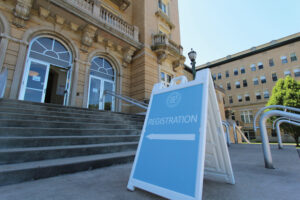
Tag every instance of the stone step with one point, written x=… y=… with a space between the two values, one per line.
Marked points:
x=18 y=116
x=36 y=131
x=49 y=124
x=20 y=155
x=16 y=173
x=4 y=103
x=70 y=114
x=23 y=142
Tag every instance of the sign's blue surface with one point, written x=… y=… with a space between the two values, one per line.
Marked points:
x=168 y=155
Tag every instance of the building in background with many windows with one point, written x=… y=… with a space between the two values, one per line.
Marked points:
x=69 y=51
x=248 y=78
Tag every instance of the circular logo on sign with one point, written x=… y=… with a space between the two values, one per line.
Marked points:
x=173 y=99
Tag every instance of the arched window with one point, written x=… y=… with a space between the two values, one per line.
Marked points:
x=47 y=74
x=102 y=68
x=51 y=51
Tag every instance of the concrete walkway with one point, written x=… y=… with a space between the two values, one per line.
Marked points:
x=253 y=181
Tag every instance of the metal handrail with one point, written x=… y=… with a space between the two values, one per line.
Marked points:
x=276 y=120
x=264 y=134
x=280 y=146
x=125 y=98
x=3 y=81
x=226 y=124
x=272 y=106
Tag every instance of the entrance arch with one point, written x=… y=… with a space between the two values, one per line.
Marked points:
x=47 y=73
x=102 y=77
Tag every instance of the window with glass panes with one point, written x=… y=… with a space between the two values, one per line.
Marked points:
x=227 y=74
x=260 y=65
x=253 y=67
x=219 y=76
x=243 y=71
x=271 y=62
x=258 y=95
x=230 y=99
x=240 y=98
x=287 y=73
x=233 y=116
x=236 y=72
x=293 y=57
x=237 y=84
x=245 y=84
x=165 y=78
x=263 y=79
x=266 y=94
x=255 y=81
x=284 y=59
x=228 y=86
x=297 y=72
x=247 y=116
x=247 y=97
x=163 y=6
x=274 y=76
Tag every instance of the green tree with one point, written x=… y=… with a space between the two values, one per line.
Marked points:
x=287 y=92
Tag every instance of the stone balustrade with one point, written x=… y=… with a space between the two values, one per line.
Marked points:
x=161 y=40
x=93 y=8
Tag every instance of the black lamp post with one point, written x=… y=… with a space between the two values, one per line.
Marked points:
x=192 y=55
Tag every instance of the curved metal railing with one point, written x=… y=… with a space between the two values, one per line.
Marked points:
x=272 y=106
x=264 y=134
x=280 y=146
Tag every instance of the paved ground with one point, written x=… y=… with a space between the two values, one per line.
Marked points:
x=253 y=181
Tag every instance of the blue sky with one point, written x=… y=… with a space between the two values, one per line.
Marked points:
x=217 y=28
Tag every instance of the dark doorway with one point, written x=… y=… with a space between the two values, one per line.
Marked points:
x=56 y=85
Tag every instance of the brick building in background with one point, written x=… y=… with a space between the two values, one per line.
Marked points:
x=248 y=78
x=69 y=51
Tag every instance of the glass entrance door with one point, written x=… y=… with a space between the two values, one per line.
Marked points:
x=94 y=93
x=96 y=89
x=36 y=81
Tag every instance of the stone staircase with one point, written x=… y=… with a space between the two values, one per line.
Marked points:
x=43 y=140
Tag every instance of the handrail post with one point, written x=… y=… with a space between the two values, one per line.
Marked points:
x=279 y=134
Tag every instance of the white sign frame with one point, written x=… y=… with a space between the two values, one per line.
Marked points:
x=221 y=169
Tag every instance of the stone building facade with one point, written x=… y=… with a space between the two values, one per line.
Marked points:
x=248 y=78
x=69 y=51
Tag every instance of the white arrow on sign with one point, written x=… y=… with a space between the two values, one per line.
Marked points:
x=187 y=137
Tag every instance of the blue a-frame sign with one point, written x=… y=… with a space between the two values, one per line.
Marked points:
x=170 y=159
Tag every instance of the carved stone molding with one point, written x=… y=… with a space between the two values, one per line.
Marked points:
x=161 y=56
x=109 y=45
x=178 y=63
x=88 y=35
x=44 y=12
x=22 y=12
x=127 y=56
